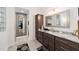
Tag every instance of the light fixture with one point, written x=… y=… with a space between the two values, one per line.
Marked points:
x=53 y=12
x=39 y=17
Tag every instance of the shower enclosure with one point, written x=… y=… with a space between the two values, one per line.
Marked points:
x=2 y=19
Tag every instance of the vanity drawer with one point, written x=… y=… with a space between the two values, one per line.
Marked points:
x=62 y=47
x=40 y=33
x=45 y=39
x=51 y=44
x=39 y=37
x=49 y=35
x=45 y=42
x=66 y=44
x=48 y=41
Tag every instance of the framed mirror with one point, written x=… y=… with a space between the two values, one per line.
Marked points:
x=21 y=21
x=61 y=19
x=21 y=24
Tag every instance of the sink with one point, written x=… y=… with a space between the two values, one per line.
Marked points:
x=62 y=34
x=57 y=32
x=54 y=31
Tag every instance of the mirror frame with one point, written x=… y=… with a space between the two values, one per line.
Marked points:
x=68 y=20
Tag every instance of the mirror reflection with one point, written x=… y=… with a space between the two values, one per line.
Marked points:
x=20 y=24
x=61 y=19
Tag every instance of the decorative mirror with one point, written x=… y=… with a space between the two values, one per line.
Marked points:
x=21 y=22
x=61 y=19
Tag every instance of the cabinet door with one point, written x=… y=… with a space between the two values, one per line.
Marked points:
x=48 y=41
x=45 y=41
x=39 y=37
x=59 y=46
x=51 y=44
x=38 y=23
x=62 y=44
x=38 y=20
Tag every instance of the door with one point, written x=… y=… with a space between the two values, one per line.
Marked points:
x=22 y=25
x=21 y=28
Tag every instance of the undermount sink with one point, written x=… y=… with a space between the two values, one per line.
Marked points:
x=61 y=32
x=58 y=32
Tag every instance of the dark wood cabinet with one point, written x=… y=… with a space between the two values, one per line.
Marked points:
x=39 y=37
x=62 y=44
x=54 y=43
x=38 y=23
x=45 y=41
x=51 y=43
x=48 y=41
x=78 y=29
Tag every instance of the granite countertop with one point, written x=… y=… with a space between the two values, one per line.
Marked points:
x=62 y=35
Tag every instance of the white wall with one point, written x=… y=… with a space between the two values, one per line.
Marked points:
x=23 y=39
x=11 y=25
x=3 y=41
x=33 y=12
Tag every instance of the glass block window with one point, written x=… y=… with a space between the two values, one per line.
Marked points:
x=2 y=19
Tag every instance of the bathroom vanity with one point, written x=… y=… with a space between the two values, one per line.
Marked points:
x=58 y=42
x=53 y=39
